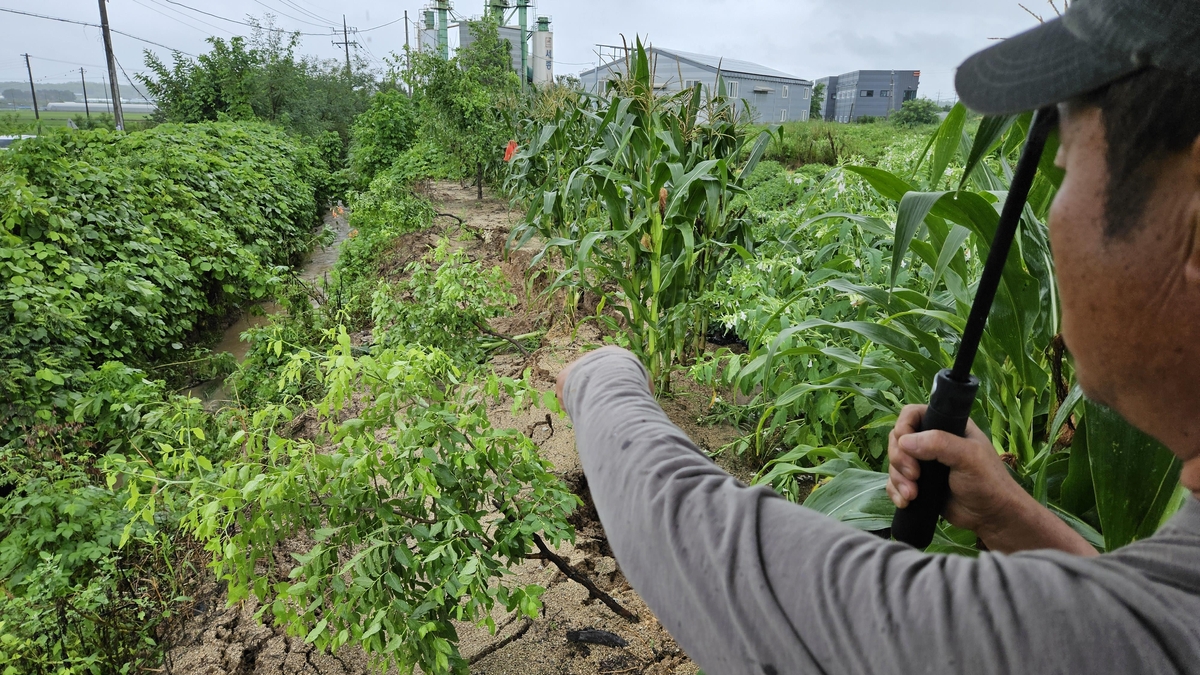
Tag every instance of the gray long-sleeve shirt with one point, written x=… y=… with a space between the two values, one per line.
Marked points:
x=748 y=582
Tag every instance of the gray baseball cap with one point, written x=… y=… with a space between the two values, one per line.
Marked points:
x=1094 y=43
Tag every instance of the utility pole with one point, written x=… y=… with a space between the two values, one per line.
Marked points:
x=113 y=82
x=892 y=97
x=523 y=19
x=32 y=91
x=407 y=55
x=346 y=43
x=86 y=108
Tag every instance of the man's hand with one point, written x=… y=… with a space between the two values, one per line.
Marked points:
x=561 y=381
x=983 y=496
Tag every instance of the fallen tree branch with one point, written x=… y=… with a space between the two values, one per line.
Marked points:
x=506 y=338
x=573 y=575
x=451 y=215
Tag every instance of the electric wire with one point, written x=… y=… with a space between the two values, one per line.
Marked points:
x=305 y=12
x=176 y=20
x=94 y=25
x=275 y=9
x=69 y=63
x=242 y=23
x=129 y=79
x=382 y=25
x=187 y=18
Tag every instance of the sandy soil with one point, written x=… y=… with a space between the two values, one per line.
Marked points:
x=217 y=640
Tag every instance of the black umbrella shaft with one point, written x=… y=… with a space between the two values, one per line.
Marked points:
x=954 y=390
x=1018 y=194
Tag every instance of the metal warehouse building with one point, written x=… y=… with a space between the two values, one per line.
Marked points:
x=771 y=95
x=862 y=93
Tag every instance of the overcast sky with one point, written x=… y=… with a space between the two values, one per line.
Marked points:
x=808 y=38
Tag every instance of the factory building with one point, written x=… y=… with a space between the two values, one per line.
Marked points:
x=531 y=49
x=867 y=93
x=768 y=95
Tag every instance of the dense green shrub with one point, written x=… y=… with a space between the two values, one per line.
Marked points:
x=381 y=134
x=260 y=78
x=86 y=582
x=444 y=304
x=468 y=103
x=410 y=505
x=125 y=246
x=916 y=112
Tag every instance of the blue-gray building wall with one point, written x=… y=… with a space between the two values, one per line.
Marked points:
x=776 y=99
x=874 y=93
x=828 y=97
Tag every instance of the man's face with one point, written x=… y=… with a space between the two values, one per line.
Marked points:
x=1130 y=302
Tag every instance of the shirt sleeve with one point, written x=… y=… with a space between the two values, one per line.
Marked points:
x=748 y=582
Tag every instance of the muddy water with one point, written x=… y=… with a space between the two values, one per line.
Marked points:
x=315 y=267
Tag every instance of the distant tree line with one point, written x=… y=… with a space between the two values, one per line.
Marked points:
x=260 y=78
x=22 y=97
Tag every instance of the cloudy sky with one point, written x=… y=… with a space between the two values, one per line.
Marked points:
x=808 y=38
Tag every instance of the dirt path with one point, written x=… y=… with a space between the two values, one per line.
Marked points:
x=228 y=641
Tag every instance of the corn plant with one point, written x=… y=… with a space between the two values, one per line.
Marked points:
x=859 y=300
x=665 y=170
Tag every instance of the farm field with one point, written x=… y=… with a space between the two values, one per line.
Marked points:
x=281 y=379
x=55 y=119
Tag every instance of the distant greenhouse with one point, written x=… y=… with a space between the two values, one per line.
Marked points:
x=101 y=105
x=770 y=95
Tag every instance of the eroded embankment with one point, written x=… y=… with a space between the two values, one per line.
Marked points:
x=217 y=640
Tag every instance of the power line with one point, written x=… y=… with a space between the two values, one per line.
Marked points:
x=382 y=25
x=93 y=25
x=293 y=18
x=69 y=63
x=129 y=79
x=242 y=23
x=305 y=12
x=177 y=19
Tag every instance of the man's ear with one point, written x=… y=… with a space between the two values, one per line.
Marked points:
x=1193 y=217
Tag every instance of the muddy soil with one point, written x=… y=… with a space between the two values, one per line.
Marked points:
x=218 y=640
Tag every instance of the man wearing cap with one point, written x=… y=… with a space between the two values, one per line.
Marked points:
x=750 y=583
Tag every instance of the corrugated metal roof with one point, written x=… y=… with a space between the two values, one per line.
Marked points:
x=713 y=62
x=728 y=65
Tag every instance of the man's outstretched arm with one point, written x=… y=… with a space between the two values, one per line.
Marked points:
x=750 y=583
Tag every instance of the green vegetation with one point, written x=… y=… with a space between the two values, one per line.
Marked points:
x=832 y=144
x=917 y=112
x=23 y=121
x=259 y=79
x=471 y=101
x=839 y=259
x=818 y=102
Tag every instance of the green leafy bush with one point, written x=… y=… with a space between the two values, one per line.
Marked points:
x=125 y=246
x=444 y=304
x=385 y=130
x=409 y=507
x=260 y=78
x=87 y=582
x=916 y=113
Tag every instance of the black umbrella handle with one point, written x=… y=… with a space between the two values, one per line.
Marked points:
x=954 y=390
x=949 y=410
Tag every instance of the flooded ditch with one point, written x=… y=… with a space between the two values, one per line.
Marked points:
x=315 y=267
